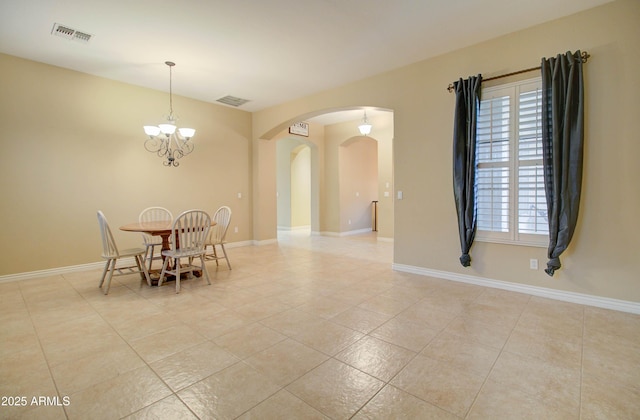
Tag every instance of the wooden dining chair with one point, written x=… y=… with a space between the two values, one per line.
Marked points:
x=217 y=235
x=189 y=230
x=153 y=214
x=112 y=254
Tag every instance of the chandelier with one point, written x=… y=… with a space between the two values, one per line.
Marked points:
x=365 y=127
x=166 y=139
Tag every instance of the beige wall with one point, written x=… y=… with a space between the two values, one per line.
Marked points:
x=72 y=144
x=383 y=133
x=358 y=182
x=301 y=187
x=602 y=259
x=283 y=181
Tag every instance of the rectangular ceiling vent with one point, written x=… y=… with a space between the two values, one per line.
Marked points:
x=232 y=100
x=71 y=34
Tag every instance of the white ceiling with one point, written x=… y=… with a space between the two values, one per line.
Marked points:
x=268 y=51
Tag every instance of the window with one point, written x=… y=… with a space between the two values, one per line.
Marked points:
x=511 y=202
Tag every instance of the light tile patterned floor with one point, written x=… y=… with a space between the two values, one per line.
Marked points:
x=310 y=328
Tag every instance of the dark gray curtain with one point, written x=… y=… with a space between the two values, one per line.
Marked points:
x=464 y=160
x=562 y=138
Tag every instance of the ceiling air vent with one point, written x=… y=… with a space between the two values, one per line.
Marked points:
x=68 y=33
x=232 y=100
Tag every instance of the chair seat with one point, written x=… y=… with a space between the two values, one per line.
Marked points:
x=131 y=252
x=183 y=252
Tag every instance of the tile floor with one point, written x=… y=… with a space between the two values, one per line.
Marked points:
x=310 y=328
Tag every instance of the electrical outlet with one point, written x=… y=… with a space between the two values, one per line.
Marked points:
x=235 y=229
x=533 y=264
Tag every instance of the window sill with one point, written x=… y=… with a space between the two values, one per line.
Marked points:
x=536 y=244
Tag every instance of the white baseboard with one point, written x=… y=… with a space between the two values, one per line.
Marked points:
x=57 y=271
x=91 y=266
x=265 y=242
x=573 y=297
x=239 y=244
x=347 y=233
x=293 y=228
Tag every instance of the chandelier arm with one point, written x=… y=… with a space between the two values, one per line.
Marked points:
x=153 y=144
x=185 y=145
x=177 y=153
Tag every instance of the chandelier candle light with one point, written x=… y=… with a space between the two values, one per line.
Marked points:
x=166 y=139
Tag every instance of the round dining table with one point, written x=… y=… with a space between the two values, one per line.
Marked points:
x=160 y=228
x=157 y=228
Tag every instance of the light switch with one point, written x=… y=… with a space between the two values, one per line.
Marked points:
x=400 y=196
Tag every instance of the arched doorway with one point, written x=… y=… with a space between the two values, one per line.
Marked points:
x=294 y=185
x=325 y=135
x=358 y=184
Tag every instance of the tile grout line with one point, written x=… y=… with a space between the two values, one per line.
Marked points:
x=580 y=390
x=132 y=349
x=44 y=354
x=502 y=350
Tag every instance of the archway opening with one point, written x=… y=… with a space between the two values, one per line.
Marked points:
x=294 y=186
x=318 y=148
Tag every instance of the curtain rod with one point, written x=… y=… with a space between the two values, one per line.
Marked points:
x=584 y=57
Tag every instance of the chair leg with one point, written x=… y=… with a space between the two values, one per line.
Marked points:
x=104 y=273
x=140 y=263
x=224 y=251
x=177 y=269
x=163 y=272
x=149 y=257
x=143 y=268
x=204 y=270
x=215 y=253
x=107 y=286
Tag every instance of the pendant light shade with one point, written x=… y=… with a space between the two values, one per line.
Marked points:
x=365 y=127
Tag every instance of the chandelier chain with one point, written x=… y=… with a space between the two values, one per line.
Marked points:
x=170 y=64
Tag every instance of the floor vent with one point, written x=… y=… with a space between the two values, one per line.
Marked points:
x=232 y=100
x=71 y=34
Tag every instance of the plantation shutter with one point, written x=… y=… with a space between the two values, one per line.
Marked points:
x=511 y=198
x=532 y=203
x=493 y=138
